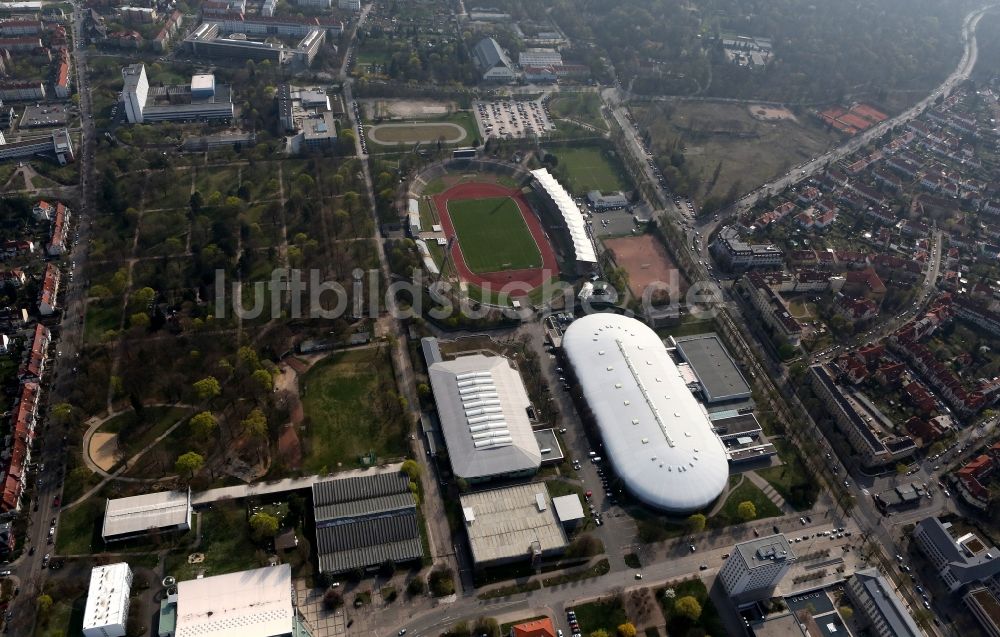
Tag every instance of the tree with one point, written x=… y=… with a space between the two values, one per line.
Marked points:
x=207 y=388
x=486 y=626
x=332 y=599
x=901 y=468
x=203 y=425
x=44 y=603
x=411 y=469
x=600 y=632
x=139 y=320
x=263 y=378
x=62 y=413
x=442 y=582
x=688 y=607
x=416 y=586
x=189 y=464
x=695 y=523
x=263 y=526
x=626 y=630
x=746 y=511
x=846 y=612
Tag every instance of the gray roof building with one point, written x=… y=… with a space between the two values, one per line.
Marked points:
x=883 y=611
x=719 y=377
x=147 y=513
x=513 y=523
x=959 y=561
x=482 y=404
x=363 y=521
x=492 y=61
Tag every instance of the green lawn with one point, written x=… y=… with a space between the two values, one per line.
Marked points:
x=225 y=541
x=136 y=432
x=586 y=169
x=582 y=107
x=493 y=235
x=65 y=618
x=791 y=479
x=605 y=615
x=79 y=530
x=102 y=315
x=747 y=491
x=349 y=411
x=709 y=622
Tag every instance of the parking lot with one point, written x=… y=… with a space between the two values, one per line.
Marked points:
x=613 y=223
x=512 y=119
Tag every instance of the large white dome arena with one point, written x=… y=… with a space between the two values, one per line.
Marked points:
x=656 y=434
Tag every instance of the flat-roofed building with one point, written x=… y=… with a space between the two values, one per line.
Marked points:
x=882 y=612
x=539 y=57
x=569 y=510
x=959 y=561
x=483 y=407
x=511 y=524
x=985 y=608
x=656 y=434
x=257 y=603
x=148 y=513
x=106 y=611
x=755 y=568
x=718 y=376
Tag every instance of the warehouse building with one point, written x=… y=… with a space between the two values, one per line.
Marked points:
x=719 y=379
x=162 y=512
x=566 y=220
x=512 y=524
x=657 y=436
x=539 y=57
x=106 y=611
x=365 y=521
x=483 y=407
x=492 y=61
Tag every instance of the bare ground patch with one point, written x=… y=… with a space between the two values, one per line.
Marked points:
x=647 y=262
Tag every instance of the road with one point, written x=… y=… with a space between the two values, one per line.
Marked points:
x=818 y=164
x=28 y=568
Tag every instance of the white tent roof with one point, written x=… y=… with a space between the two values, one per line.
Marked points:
x=657 y=436
x=583 y=247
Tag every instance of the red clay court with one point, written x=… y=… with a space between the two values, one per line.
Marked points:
x=532 y=277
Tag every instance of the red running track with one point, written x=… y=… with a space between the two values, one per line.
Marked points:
x=531 y=277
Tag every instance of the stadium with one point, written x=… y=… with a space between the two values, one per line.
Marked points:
x=657 y=436
x=491 y=225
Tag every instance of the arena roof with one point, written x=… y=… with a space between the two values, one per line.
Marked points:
x=482 y=404
x=657 y=436
x=583 y=247
x=718 y=375
x=150 y=511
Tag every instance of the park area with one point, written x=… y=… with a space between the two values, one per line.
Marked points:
x=493 y=235
x=582 y=169
x=351 y=411
x=744 y=148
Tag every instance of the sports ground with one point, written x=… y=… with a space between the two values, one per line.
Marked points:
x=493 y=235
x=499 y=239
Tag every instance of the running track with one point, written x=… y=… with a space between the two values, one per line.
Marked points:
x=531 y=277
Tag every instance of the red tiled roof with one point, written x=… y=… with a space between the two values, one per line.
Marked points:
x=537 y=628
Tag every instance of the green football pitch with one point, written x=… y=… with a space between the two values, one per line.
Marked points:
x=493 y=235
x=588 y=169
